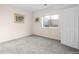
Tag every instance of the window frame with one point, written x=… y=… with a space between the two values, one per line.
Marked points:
x=50 y=19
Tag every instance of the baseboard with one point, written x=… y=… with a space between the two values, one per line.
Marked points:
x=45 y=37
x=8 y=40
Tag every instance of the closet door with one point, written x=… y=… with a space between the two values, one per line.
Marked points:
x=68 y=19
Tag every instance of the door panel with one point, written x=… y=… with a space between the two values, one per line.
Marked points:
x=67 y=24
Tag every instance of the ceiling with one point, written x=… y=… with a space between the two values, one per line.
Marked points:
x=35 y=7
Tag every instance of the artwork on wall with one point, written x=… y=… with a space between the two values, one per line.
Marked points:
x=18 y=18
x=37 y=19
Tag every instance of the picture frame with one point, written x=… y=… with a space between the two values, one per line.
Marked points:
x=18 y=18
x=37 y=19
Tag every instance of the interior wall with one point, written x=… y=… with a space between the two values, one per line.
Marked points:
x=10 y=30
x=46 y=32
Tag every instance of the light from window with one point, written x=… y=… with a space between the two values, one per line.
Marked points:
x=46 y=20
x=50 y=21
x=55 y=17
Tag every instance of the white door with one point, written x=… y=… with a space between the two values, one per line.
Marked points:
x=68 y=19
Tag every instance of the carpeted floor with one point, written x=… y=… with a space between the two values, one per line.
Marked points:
x=35 y=45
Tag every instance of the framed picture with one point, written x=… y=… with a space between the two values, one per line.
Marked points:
x=37 y=19
x=18 y=18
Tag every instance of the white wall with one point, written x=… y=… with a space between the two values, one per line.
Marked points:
x=10 y=30
x=46 y=32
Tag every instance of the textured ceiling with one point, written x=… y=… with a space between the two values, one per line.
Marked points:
x=35 y=7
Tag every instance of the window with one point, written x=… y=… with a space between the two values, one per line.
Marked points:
x=50 y=21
